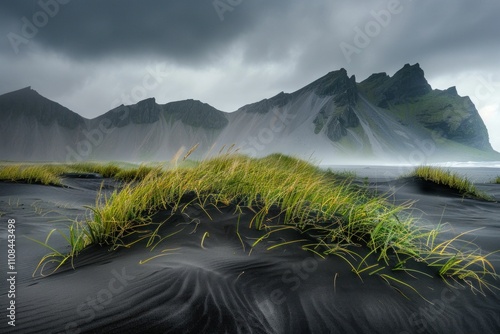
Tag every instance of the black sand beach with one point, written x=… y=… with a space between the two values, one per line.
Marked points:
x=204 y=279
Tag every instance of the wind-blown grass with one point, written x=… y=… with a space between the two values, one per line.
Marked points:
x=497 y=180
x=452 y=180
x=50 y=174
x=337 y=217
x=106 y=170
x=41 y=174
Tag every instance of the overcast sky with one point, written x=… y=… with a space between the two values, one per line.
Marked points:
x=92 y=55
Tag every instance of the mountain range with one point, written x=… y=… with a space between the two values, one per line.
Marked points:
x=383 y=119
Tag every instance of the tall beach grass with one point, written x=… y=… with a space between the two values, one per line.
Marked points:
x=41 y=174
x=339 y=217
x=452 y=180
x=51 y=174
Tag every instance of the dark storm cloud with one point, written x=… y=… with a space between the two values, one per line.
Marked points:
x=192 y=32
x=184 y=30
x=444 y=35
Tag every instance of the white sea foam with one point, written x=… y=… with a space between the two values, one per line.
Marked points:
x=459 y=164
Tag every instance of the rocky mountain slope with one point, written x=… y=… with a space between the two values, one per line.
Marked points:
x=398 y=119
x=35 y=128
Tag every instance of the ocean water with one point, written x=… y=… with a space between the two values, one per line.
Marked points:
x=475 y=171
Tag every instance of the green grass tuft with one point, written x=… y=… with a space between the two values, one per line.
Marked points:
x=338 y=218
x=50 y=174
x=40 y=174
x=106 y=170
x=452 y=180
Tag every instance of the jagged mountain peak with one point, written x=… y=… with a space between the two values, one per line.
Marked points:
x=190 y=112
x=25 y=90
x=408 y=95
x=147 y=102
x=376 y=78
x=452 y=90
x=410 y=82
x=143 y=112
x=380 y=118
x=406 y=84
x=335 y=83
x=191 y=104
x=265 y=105
x=26 y=93
x=28 y=103
x=195 y=113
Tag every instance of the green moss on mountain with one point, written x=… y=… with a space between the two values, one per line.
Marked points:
x=408 y=83
x=409 y=97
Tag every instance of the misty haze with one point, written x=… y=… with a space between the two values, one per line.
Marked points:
x=236 y=166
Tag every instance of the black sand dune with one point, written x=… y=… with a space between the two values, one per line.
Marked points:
x=204 y=279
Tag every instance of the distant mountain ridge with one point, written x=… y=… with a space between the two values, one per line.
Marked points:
x=190 y=112
x=16 y=103
x=334 y=119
